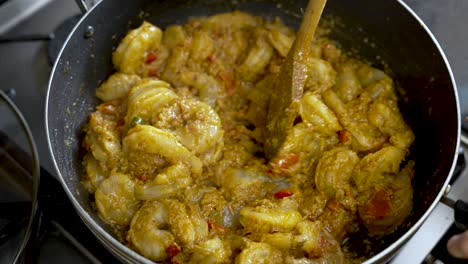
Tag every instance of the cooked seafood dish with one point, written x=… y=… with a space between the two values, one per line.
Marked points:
x=175 y=158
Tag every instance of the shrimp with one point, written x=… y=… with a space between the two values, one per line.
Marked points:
x=209 y=89
x=95 y=174
x=242 y=185
x=166 y=184
x=196 y=125
x=116 y=86
x=353 y=117
x=115 y=200
x=212 y=251
x=131 y=52
x=320 y=75
x=269 y=218
x=309 y=239
x=390 y=122
x=186 y=223
x=385 y=193
x=212 y=204
x=334 y=171
x=259 y=253
x=317 y=243
x=300 y=152
x=103 y=140
x=149 y=149
x=183 y=225
x=257 y=59
x=317 y=113
x=147 y=98
x=147 y=232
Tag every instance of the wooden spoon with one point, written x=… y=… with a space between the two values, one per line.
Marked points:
x=289 y=86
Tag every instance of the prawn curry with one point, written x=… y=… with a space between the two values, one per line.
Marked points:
x=175 y=154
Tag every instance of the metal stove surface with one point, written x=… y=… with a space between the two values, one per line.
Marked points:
x=24 y=73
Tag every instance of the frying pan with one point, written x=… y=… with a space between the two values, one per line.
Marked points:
x=386 y=33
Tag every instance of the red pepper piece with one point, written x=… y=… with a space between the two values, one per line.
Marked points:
x=283 y=193
x=379 y=205
x=344 y=136
x=150 y=57
x=173 y=249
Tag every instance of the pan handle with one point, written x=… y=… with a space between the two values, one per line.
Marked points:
x=461 y=211
x=460 y=207
x=85 y=5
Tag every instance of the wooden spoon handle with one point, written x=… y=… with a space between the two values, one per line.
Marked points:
x=289 y=85
x=309 y=23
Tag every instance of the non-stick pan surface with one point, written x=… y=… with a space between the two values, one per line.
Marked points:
x=386 y=33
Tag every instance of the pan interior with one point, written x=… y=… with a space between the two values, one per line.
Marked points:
x=384 y=33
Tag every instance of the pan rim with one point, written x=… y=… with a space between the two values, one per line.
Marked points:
x=400 y=242
x=95 y=228
x=385 y=254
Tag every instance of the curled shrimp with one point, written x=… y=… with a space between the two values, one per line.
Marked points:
x=95 y=174
x=259 y=253
x=196 y=125
x=146 y=232
x=131 y=52
x=166 y=184
x=102 y=138
x=186 y=223
x=147 y=98
x=115 y=200
x=149 y=149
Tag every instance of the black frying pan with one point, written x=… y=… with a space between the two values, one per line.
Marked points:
x=370 y=28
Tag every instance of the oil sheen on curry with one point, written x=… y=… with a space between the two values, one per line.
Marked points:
x=175 y=154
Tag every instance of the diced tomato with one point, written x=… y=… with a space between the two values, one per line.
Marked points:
x=150 y=57
x=153 y=73
x=109 y=107
x=213 y=225
x=285 y=162
x=343 y=136
x=283 y=193
x=323 y=242
x=229 y=81
x=333 y=204
x=288 y=160
x=144 y=177
x=120 y=123
x=173 y=249
x=174 y=261
x=379 y=205
x=212 y=57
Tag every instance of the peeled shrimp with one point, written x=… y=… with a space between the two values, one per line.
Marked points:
x=212 y=251
x=261 y=253
x=269 y=218
x=103 y=140
x=186 y=223
x=170 y=182
x=130 y=54
x=115 y=200
x=95 y=174
x=147 y=98
x=146 y=232
x=146 y=146
x=196 y=125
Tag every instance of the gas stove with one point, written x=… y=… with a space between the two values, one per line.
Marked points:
x=31 y=30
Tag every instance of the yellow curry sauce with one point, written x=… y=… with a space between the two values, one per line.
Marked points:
x=175 y=151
